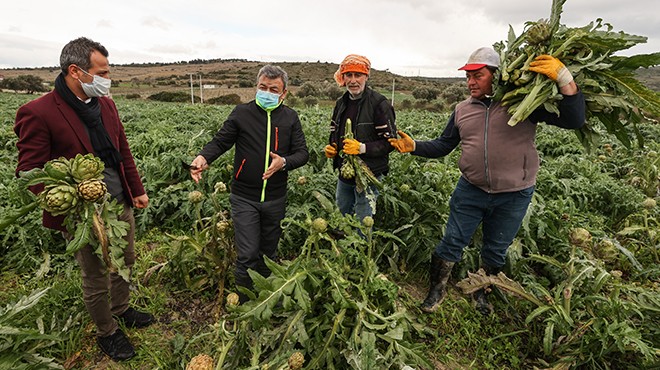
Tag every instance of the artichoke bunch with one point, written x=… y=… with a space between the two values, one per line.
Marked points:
x=68 y=183
x=74 y=188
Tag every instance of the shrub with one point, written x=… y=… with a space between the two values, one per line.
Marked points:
x=172 y=96
x=310 y=101
x=229 y=99
x=308 y=89
x=133 y=96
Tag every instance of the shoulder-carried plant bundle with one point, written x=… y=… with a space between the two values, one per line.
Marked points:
x=75 y=188
x=613 y=95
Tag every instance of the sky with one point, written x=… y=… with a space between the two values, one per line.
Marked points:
x=430 y=38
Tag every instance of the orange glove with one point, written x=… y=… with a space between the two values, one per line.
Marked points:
x=353 y=147
x=553 y=68
x=330 y=150
x=404 y=145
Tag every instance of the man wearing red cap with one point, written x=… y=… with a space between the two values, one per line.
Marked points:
x=498 y=166
x=372 y=118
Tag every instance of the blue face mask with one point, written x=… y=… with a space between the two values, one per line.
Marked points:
x=267 y=100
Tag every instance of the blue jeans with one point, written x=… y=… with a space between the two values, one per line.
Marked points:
x=350 y=201
x=501 y=215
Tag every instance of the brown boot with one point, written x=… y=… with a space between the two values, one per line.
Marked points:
x=439 y=275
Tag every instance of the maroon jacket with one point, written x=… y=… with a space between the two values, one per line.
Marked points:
x=49 y=128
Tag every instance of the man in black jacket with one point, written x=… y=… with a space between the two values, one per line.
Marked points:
x=269 y=143
x=372 y=123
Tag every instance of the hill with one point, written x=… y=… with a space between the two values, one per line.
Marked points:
x=225 y=76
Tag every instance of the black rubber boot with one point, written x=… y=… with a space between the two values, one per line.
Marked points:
x=481 y=296
x=439 y=275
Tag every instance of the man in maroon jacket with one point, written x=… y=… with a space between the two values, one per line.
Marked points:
x=77 y=117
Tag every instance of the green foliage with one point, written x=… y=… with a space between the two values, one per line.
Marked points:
x=602 y=191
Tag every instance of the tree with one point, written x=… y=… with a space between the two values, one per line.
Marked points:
x=28 y=83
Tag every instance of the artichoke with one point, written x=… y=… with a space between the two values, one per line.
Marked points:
x=319 y=225
x=92 y=190
x=347 y=170
x=232 y=299
x=195 y=196
x=220 y=187
x=58 y=169
x=649 y=203
x=222 y=226
x=59 y=199
x=296 y=361
x=200 y=362
x=86 y=167
x=580 y=237
x=538 y=32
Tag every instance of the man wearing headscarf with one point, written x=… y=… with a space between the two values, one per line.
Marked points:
x=372 y=124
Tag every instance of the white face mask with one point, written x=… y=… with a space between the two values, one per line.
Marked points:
x=99 y=87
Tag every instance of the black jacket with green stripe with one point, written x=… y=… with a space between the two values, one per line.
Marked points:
x=256 y=133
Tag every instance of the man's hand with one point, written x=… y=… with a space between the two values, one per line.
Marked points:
x=330 y=150
x=404 y=145
x=141 y=201
x=353 y=147
x=198 y=165
x=276 y=164
x=553 y=68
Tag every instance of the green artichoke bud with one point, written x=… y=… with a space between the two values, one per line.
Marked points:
x=347 y=170
x=87 y=167
x=220 y=187
x=606 y=251
x=538 y=32
x=59 y=199
x=296 y=361
x=232 y=299
x=195 y=196
x=58 y=168
x=319 y=225
x=580 y=237
x=222 y=226
x=92 y=190
x=649 y=203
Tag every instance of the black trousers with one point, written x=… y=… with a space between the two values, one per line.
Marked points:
x=257 y=232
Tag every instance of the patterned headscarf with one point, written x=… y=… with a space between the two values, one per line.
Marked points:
x=352 y=63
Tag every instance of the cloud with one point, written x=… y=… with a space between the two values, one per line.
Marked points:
x=415 y=37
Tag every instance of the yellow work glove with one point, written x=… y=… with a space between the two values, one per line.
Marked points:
x=553 y=68
x=404 y=145
x=353 y=147
x=330 y=150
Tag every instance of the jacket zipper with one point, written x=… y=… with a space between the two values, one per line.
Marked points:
x=263 y=188
x=486 y=147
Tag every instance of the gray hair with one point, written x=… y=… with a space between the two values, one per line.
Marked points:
x=79 y=52
x=273 y=72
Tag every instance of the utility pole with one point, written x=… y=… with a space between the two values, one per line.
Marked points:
x=192 y=95
x=201 y=90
